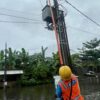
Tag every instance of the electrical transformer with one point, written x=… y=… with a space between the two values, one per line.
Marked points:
x=46 y=14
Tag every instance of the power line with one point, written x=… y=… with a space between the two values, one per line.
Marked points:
x=18 y=17
x=82 y=13
x=19 y=11
x=64 y=9
x=41 y=3
x=78 y=29
x=73 y=50
x=35 y=22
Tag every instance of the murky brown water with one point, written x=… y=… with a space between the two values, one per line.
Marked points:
x=90 y=88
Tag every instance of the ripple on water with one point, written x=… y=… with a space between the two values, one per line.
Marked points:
x=93 y=96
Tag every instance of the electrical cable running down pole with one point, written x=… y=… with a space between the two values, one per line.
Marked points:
x=56 y=33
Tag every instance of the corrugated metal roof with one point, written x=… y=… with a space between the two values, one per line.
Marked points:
x=12 y=72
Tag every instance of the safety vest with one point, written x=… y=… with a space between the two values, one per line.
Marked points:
x=66 y=89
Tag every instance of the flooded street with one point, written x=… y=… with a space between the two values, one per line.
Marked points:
x=90 y=88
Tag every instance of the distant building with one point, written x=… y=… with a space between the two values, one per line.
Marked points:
x=11 y=76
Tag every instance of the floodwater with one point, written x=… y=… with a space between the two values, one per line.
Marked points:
x=90 y=89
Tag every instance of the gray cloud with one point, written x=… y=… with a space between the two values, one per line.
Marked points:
x=33 y=36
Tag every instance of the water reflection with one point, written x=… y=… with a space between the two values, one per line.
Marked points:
x=43 y=92
x=4 y=93
x=90 y=88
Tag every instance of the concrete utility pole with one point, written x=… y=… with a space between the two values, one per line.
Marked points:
x=61 y=30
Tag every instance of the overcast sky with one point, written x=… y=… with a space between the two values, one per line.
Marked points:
x=33 y=35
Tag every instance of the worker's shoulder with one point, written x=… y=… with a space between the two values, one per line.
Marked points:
x=74 y=76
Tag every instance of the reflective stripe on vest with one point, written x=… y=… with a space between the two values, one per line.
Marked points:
x=76 y=98
x=69 y=84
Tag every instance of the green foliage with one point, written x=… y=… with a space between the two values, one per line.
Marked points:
x=37 y=68
x=76 y=60
x=2 y=59
x=92 y=44
x=56 y=62
x=90 y=54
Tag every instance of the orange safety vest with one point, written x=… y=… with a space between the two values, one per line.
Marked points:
x=66 y=89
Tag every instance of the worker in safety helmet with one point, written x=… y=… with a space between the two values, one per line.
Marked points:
x=68 y=86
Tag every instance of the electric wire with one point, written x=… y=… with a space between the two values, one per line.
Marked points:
x=33 y=22
x=56 y=33
x=19 y=11
x=17 y=16
x=41 y=3
x=36 y=22
x=65 y=9
x=78 y=29
x=83 y=13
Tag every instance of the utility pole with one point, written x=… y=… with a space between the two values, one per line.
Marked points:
x=5 y=73
x=60 y=28
x=5 y=67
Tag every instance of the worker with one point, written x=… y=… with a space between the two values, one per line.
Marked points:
x=68 y=86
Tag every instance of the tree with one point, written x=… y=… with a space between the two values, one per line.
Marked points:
x=56 y=62
x=92 y=44
x=10 y=59
x=37 y=67
x=76 y=60
x=1 y=59
x=90 y=54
